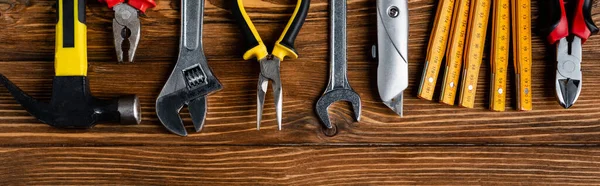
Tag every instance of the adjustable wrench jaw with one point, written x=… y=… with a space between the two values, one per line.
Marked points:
x=391 y=53
x=192 y=79
x=568 y=71
x=189 y=84
x=126 y=25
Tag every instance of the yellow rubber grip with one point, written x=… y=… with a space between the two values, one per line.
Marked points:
x=480 y=10
x=71 y=39
x=284 y=47
x=499 y=54
x=454 y=53
x=256 y=47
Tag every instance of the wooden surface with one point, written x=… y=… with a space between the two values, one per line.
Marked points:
x=433 y=144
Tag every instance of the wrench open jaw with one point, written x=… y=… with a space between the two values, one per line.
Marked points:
x=336 y=95
x=191 y=80
x=338 y=88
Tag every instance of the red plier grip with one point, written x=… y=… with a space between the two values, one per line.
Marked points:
x=580 y=24
x=560 y=23
x=141 y=5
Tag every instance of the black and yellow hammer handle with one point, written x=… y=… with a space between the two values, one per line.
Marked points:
x=71 y=46
x=284 y=45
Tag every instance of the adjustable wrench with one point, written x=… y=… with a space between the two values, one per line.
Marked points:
x=338 y=88
x=392 y=49
x=191 y=80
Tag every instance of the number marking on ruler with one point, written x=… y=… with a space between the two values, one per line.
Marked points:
x=480 y=10
x=521 y=16
x=436 y=48
x=499 y=54
x=454 y=53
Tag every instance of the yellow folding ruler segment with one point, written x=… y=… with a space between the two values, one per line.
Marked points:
x=521 y=18
x=436 y=48
x=454 y=54
x=480 y=11
x=499 y=53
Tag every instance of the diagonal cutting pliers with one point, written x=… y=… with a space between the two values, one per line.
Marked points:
x=270 y=62
x=568 y=31
x=126 y=24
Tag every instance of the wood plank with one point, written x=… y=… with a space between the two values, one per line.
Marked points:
x=26 y=58
x=336 y=165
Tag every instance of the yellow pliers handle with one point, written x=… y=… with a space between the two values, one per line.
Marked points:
x=71 y=46
x=284 y=45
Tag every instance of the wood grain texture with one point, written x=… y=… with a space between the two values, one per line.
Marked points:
x=432 y=144
x=27 y=60
x=220 y=165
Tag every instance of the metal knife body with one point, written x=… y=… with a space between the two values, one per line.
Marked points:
x=391 y=52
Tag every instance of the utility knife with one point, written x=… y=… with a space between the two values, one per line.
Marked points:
x=391 y=52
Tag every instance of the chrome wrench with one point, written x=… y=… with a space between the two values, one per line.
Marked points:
x=338 y=88
x=191 y=80
x=391 y=52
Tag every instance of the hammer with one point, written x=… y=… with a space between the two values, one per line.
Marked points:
x=71 y=104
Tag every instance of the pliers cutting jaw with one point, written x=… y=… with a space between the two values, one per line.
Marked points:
x=126 y=26
x=568 y=71
x=270 y=62
x=579 y=26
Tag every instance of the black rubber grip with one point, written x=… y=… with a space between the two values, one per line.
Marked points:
x=551 y=11
x=297 y=22
x=68 y=24
x=81 y=9
x=250 y=40
x=587 y=15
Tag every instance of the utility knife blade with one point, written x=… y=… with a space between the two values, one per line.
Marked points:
x=391 y=52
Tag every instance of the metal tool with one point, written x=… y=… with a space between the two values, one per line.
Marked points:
x=126 y=24
x=392 y=50
x=71 y=104
x=500 y=48
x=475 y=43
x=436 y=48
x=338 y=88
x=568 y=32
x=454 y=53
x=192 y=79
x=270 y=62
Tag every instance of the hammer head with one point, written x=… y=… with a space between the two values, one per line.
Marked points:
x=73 y=106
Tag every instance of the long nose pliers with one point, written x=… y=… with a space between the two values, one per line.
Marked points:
x=126 y=24
x=568 y=31
x=270 y=62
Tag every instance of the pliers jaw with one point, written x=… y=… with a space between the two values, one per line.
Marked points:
x=269 y=70
x=126 y=26
x=568 y=71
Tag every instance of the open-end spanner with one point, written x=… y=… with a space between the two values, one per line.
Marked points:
x=191 y=80
x=338 y=88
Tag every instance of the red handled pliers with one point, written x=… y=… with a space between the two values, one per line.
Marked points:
x=126 y=23
x=568 y=32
